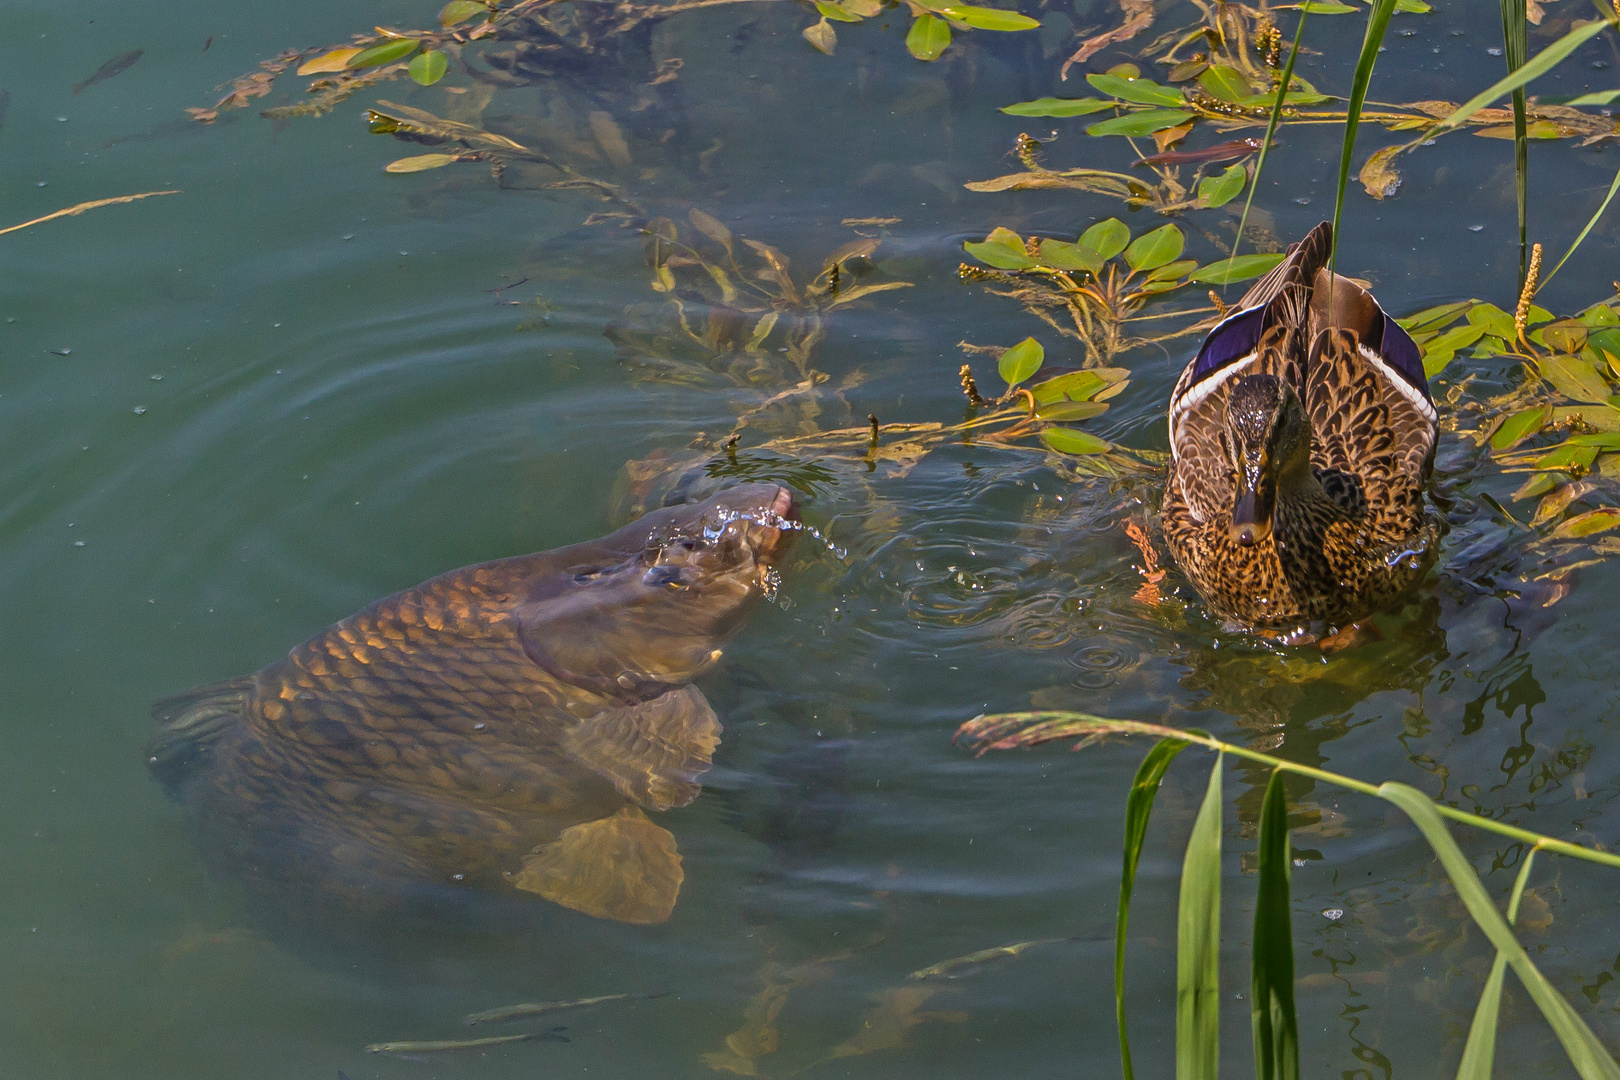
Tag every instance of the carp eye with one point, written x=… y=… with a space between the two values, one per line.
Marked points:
x=664 y=575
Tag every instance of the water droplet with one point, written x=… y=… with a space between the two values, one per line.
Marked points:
x=275 y=324
x=61 y=352
x=1333 y=914
x=78 y=543
x=140 y=410
x=1494 y=51
x=348 y=236
x=1303 y=200
x=1476 y=228
x=40 y=184
x=1299 y=862
x=157 y=378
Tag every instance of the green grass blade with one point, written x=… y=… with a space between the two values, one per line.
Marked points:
x=1138 y=808
x=1271 y=130
x=1377 y=24
x=1271 y=1004
x=1198 y=942
x=1586 y=1053
x=1479 y=1055
x=1607 y=199
x=1545 y=61
x=1516 y=47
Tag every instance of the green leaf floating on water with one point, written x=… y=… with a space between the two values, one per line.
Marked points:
x=386 y=53
x=1066 y=256
x=928 y=37
x=1140 y=123
x=1140 y=91
x=1574 y=378
x=1241 y=268
x=1073 y=386
x=834 y=12
x=1413 y=7
x=1519 y=427
x=1225 y=83
x=1325 y=7
x=822 y=36
x=1070 y=441
x=1222 y=189
x=1002 y=249
x=987 y=18
x=459 y=11
x=1021 y=361
x=1107 y=238
x=1071 y=410
x=1153 y=250
x=419 y=163
x=1051 y=106
x=429 y=68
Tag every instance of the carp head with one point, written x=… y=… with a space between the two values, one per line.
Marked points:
x=651 y=611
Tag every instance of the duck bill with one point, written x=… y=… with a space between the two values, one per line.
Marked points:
x=1251 y=512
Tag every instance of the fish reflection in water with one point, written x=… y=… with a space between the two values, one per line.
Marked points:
x=504 y=725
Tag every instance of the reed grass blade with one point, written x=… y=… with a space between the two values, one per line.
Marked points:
x=1607 y=199
x=1138 y=808
x=1516 y=47
x=1479 y=1054
x=1198 y=942
x=1377 y=24
x=1271 y=999
x=1585 y=1052
x=1271 y=130
x=1545 y=61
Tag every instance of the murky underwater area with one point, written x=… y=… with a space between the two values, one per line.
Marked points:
x=232 y=416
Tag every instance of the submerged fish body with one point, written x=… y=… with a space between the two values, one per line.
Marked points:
x=504 y=725
x=115 y=66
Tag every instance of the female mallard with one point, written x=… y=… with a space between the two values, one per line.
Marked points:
x=1301 y=437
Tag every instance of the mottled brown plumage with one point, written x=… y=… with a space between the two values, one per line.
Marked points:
x=503 y=725
x=1302 y=436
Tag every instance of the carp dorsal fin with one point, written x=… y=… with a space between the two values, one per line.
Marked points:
x=621 y=867
x=651 y=751
x=190 y=723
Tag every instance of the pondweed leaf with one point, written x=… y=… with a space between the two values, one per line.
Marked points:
x=1051 y=106
x=835 y=12
x=1153 y=250
x=386 y=53
x=1607 y=441
x=1222 y=189
x=1565 y=335
x=429 y=68
x=419 y=163
x=1021 y=361
x=1435 y=317
x=1413 y=7
x=986 y=18
x=822 y=36
x=1241 y=268
x=1325 y=7
x=1171 y=271
x=1073 y=386
x=326 y=63
x=1070 y=441
x=1271 y=999
x=1140 y=91
x=1107 y=238
x=1495 y=321
x=714 y=229
x=1574 y=378
x=1140 y=123
x=1225 y=83
x=1002 y=249
x=1066 y=256
x=459 y=11
x=1138 y=809
x=1520 y=426
x=1071 y=410
x=1593 y=521
x=1198 y=942
x=1599 y=315
x=928 y=37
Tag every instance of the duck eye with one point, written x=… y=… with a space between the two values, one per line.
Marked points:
x=664 y=575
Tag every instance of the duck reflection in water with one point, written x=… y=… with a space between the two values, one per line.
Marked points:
x=503 y=727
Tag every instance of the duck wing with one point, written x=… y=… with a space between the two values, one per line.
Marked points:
x=1263 y=335
x=1371 y=412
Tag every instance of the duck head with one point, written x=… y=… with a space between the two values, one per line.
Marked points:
x=1268 y=445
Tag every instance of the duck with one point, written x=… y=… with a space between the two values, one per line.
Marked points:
x=1302 y=437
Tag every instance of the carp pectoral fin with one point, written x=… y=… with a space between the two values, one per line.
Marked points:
x=621 y=867
x=190 y=724
x=653 y=751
